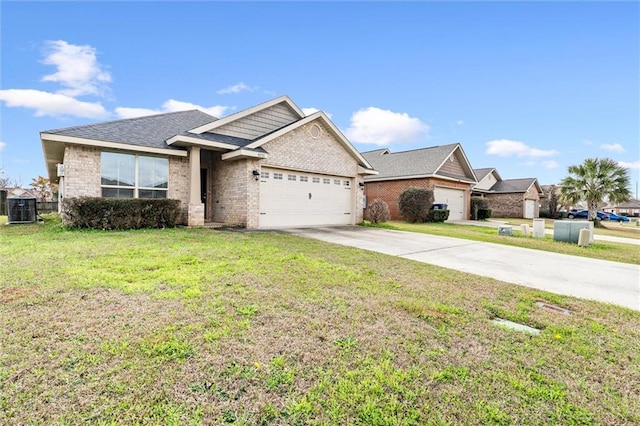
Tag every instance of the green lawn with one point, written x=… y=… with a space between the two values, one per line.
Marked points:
x=195 y=326
x=600 y=249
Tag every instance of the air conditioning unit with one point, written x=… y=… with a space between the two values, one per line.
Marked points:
x=60 y=168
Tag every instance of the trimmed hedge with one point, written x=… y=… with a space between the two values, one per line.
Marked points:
x=438 y=215
x=120 y=213
x=414 y=204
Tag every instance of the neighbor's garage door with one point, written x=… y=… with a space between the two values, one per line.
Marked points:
x=289 y=198
x=455 y=200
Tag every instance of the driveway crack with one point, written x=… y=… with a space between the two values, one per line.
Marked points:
x=438 y=249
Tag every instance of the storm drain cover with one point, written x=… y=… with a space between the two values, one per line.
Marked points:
x=553 y=308
x=515 y=326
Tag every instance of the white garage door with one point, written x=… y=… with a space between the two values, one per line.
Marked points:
x=455 y=200
x=529 y=209
x=289 y=198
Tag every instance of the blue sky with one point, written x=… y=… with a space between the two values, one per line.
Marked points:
x=526 y=87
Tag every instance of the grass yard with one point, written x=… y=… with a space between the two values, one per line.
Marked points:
x=605 y=250
x=195 y=326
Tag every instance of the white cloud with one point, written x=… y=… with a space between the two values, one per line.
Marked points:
x=509 y=148
x=171 y=106
x=628 y=165
x=237 y=88
x=309 y=111
x=77 y=69
x=614 y=147
x=459 y=122
x=52 y=104
x=381 y=127
x=551 y=164
x=2 y=145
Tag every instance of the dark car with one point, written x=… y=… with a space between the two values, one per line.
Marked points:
x=614 y=217
x=583 y=214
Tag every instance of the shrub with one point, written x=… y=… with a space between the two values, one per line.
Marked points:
x=544 y=214
x=438 y=215
x=477 y=204
x=379 y=211
x=118 y=213
x=415 y=203
x=484 y=214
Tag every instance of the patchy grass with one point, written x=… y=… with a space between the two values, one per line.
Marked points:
x=605 y=250
x=193 y=326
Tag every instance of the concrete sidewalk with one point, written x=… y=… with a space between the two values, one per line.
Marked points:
x=605 y=281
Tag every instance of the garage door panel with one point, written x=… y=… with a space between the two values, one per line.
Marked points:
x=285 y=202
x=454 y=198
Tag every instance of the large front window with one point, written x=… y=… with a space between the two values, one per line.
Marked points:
x=133 y=176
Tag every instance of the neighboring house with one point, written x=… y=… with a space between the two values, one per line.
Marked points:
x=517 y=198
x=266 y=166
x=630 y=208
x=443 y=169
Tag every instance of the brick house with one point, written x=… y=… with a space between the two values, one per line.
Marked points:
x=443 y=169
x=266 y=166
x=517 y=198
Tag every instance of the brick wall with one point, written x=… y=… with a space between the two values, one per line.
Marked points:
x=299 y=150
x=82 y=171
x=512 y=204
x=389 y=191
x=179 y=184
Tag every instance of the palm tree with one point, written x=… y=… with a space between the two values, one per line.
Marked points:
x=594 y=181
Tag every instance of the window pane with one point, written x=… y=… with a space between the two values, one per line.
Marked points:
x=117 y=169
x=117 y=193
x=150 y=193
x=153 y=172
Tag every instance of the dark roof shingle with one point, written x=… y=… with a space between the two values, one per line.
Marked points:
x=151 y=131
x=513 y=185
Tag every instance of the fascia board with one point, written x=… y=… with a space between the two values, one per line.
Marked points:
x=243 y=153
x=246 y=112
x=181 y=140
x=107 y=144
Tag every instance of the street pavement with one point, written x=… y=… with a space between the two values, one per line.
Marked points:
x=605 y=281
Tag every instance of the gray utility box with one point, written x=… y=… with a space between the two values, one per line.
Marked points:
x=568 y=231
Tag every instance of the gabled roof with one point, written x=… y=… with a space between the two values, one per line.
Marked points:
x=515 y=185
x=424 y=162
x=285 y=100
x=482 y=173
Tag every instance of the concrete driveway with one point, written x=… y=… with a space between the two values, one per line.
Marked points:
x=605 y=281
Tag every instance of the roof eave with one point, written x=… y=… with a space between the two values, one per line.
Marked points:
x=185 y=140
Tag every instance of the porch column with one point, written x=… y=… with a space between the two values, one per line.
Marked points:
x=196 y=208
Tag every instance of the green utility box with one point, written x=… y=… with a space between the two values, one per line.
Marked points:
x=568 y=231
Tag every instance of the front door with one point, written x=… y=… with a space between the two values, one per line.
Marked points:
x=203 y=191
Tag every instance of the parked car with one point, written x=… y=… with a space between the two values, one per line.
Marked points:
x=583 y=214
x=616 y=218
